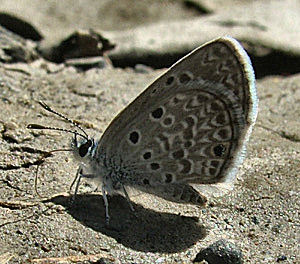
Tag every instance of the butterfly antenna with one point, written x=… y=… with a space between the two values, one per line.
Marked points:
x=49 y=109
x=36 y=126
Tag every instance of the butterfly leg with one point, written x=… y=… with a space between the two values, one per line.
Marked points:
x=77 y=181
x=127 y=198
x=105 y=204
x=79 y=175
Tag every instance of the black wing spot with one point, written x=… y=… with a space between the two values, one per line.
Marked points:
x=188 y=144
x=187 y=166
x=219 y=150
x=146 y=182
x=170 y=80
x=169 y=178
x=134 y=137
x=179 y=154
x=184 y=78
x=157 y=113
x=154 y=166
x=147 y=155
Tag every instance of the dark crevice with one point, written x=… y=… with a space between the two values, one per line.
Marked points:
x=83 y=94
x=195 y=5
x=283 y=134
x=6 y=137
x=231 y=23
x=22 y=205
x=29 y=150
x=274 y=63
x=291 y=137
x=26 y=164
x=9 y=139
x=152 y=60
x=10 y=167
x=8 y=183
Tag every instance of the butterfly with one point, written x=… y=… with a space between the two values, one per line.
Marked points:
x=183 y=137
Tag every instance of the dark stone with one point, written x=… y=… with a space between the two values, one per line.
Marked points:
x=220 y=252
x=19 y=26
x=80 y=44
x=14 y=48
x=281 y=258
x=255 y=220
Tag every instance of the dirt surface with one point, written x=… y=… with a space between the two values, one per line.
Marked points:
x=260 y=216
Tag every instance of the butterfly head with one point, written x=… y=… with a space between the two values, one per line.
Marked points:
x=83 y=147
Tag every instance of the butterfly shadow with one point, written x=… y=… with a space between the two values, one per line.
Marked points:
x=143 y=230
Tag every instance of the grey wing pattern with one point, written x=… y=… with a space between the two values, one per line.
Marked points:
x=191 y=125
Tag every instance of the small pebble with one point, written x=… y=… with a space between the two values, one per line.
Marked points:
x=281 y=258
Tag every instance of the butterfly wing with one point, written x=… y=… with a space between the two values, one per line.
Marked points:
x=191 y=125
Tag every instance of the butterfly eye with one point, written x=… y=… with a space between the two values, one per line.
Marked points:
x=84 y=148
